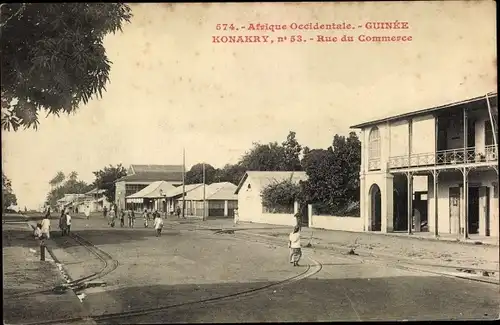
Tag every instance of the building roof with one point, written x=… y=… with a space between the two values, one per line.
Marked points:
x=152 y=177
x=215 y=191
x=95 y=191
x=153 y=190
x=138 y=169
x=264 y=178
x=178 y=190
x=492 y=97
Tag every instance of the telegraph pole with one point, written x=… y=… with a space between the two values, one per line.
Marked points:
x=183 y=181
x=204 y=201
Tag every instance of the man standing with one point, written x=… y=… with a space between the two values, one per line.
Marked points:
x=87 y=212
x=68 y=223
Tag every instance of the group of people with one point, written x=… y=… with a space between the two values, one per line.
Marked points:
x=148 y=216
x=42 y=230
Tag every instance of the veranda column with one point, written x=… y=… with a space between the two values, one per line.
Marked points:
x=409 y=188
x=436 y=188
x=387 y=202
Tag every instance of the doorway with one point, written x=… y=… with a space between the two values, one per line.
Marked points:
x=375 y=208
x=487 y=211
x=473 y=210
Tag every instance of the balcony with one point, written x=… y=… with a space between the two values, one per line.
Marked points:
x=445 y=157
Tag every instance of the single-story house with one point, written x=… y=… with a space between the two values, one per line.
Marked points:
x=220 y=200
x=249 y=191
x=96 y=200
x=152 y=197
x=140 y=176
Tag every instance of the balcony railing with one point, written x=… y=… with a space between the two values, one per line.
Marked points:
x=445 y=157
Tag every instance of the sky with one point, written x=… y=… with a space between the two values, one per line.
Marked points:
x=172 y=88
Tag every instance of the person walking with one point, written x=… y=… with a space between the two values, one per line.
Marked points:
x=294 y=245
x=145 y=216
x=158 y=225
x=132 y=214
x=68 y=223
x=236 y=216
x=45 y=229
x=122 y=218
x=105 y=212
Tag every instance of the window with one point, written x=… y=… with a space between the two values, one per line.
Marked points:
x=374 y=144
x=133 y=188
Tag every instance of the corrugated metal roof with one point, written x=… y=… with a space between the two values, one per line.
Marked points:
x=268 y=177
x=492 y=97
x=152 y=177
x=153 y=190
x=214 y=191
x=156 y=168
x=178 y=190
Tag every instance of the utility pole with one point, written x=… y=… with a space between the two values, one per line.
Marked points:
x=204 y=201
x=183 y=181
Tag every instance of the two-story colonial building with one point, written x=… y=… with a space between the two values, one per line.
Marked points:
x=455 y=146
x=140 y=176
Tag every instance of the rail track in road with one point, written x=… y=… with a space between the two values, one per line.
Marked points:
x=310 y=270
x=394 y=263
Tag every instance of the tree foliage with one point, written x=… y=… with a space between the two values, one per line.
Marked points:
x=58 y=179
x=333 y=175
x=273 y=156
x=71 y=186
x=106 y=177
x=195 y=174
x=279 y=197
x=8 y=196
x=53 y=57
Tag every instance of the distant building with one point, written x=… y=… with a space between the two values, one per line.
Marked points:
x=96 y=200
x=220 y=200
x=140 y=176
x=249 y=191
x=454 y=147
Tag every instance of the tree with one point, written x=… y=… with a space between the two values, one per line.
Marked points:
x=230 y=173
x=333 y=175
x=70 y=186
x=105 y=179
x=73 y=175
x=279 y=197
x=274 y=157
x=53 y=57
x=57 y=180
x=195 y=174
x=292 y=150
x=8 y=196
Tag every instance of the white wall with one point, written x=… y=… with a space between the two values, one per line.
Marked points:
x=249 y=201
x=447 y=180
x=423 y=135
x=399 y=139
x=281 y=219
x=336 y=223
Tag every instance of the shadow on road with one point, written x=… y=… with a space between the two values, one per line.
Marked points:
x=390 y=298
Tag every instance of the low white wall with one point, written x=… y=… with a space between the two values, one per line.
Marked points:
x=336 y=223
x=280 y=219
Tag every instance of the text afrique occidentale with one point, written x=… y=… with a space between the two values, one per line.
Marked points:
x=372 y=25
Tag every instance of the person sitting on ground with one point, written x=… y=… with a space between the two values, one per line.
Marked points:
x=158 y=224
x=294 y=245
x=38 y=231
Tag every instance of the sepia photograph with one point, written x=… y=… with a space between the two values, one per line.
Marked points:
x=247 y=162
